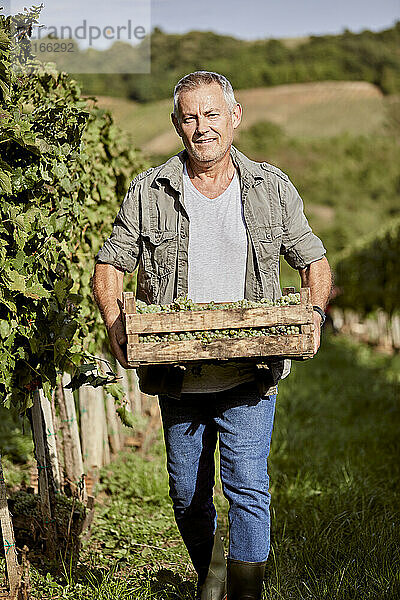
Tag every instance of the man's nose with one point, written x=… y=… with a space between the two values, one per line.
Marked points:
x=202 y=125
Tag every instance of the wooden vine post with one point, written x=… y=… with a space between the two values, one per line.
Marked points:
x=76 y=471
x=58 y=437
x=68 y=470
x=50 y=437
x=113 y=424
x=137 y=407
x=106 y=443
x=44 y=470
x=7 y=532
x=91 y=405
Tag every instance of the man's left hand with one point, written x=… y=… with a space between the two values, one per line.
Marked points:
x=317 y=332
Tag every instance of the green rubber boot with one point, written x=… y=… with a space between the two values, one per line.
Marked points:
x=245 y=580
x=214 y=586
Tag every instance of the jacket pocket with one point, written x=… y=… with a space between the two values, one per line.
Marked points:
x=159 y=252
x=269 y=244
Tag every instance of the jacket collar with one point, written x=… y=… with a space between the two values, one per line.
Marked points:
x=250 y=171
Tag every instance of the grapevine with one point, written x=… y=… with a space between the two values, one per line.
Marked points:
x=64 y=168
x=367 y=274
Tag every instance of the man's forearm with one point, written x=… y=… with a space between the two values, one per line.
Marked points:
x=318 y=277
x=107 y=289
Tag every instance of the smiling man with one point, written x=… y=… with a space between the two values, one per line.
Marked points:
x=211 y=224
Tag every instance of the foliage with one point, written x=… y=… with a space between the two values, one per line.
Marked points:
x=350 y=184
x=262 y=136
x=16 y=447
x=64 y=168
x=366 y=56
x=393 y=115
x=368 y=273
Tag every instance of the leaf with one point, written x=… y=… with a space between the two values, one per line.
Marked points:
x=5 y=89
x=125 y=416
x=61 y=288
x=47 y=389
x=34 y=345
x=60 y=170
x=44 y=146
x=16 y=281
x=36 y=291
x=75 y=298
x=5 y=183
x=66 y=184
x=86 y=368
x=19 y=260
x=44 y=173
x=60 y=347
x=4 y=328
x=11 y=305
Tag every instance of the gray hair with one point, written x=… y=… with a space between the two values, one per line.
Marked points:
x=199 y=78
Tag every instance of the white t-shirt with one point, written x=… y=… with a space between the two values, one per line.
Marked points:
x=217 y=257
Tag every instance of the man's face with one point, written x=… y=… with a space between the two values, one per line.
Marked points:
x=205 y=122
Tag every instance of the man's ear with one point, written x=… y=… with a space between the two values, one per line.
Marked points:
x=176 y=123
x=236 y=115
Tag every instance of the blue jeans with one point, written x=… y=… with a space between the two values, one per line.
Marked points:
x=244 y=423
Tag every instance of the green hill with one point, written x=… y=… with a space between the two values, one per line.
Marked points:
x=307 y=110
x=366 y=56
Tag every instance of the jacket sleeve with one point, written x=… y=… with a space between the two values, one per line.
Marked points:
x=300 y=246
x=122 y=248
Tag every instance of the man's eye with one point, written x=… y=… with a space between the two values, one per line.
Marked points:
x=188 y=119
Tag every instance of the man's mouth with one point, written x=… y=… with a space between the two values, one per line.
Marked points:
x=207 y=141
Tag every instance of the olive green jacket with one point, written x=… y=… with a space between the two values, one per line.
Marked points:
x=151 y=231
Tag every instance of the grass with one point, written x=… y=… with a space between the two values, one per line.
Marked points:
x=143 y=121
x=334 y=472
x=334 y=469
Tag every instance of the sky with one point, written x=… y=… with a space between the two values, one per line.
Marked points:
x=252 y=19
x=246 y=19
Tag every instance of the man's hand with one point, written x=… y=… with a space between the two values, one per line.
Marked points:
x=118 y=341
x=317 y=276
x=317 y=332
x=107 y=289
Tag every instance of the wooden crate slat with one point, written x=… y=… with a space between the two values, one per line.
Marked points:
x=238 y=318
x=194 y=350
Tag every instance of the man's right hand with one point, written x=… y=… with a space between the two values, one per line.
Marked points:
x=107 y=289
x=118 y=342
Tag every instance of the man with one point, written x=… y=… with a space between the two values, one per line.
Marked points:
x=210 y=223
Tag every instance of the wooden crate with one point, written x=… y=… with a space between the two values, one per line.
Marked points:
x=173 y=352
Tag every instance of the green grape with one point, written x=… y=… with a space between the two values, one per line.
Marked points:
x=183 y=303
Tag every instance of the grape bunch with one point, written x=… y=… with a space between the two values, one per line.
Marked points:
x=183 y=303
x=217 y=334
x=213 y=335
